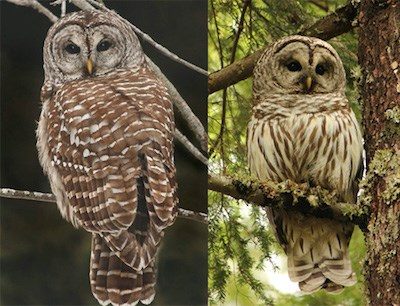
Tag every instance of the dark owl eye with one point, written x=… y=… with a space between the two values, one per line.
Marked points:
x=294 y=66
x=103 y=46
x=320 y=69
x=72 y=48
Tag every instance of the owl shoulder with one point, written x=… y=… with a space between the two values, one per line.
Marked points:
x=46 y=91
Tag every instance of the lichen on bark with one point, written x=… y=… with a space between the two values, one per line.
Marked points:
x=379 y=55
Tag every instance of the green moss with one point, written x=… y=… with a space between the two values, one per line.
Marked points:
x=392 y=124
x=353 y=210
x=388 y=235
x=246 y=184
x=385 y=164
x=379 y=164
x=392 y=179
x=313 y=200
x=393 y=114
x=369 y=78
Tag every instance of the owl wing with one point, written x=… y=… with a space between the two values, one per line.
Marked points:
x=114 y=153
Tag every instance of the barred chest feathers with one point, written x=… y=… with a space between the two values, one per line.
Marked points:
x=304 y=141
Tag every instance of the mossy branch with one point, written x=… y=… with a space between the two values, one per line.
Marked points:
x=339 y=22
x=315 y=201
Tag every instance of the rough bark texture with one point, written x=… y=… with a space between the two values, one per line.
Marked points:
x=379 y=56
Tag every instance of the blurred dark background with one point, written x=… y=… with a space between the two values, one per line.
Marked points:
x=43 y=259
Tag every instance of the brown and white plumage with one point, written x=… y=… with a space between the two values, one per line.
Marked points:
x=105 y=140
x=303 y=129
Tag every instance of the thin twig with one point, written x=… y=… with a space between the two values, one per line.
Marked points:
x=221 y=53
x=37 y=6
x=156 y=45
x=82 y=4
x=50 y=198
x=63 y=4
x=221 y=57
x=27 y=195
x=225 y=91
x=222 y=125
x=190 y=147
x=192 y=215
x=240 y=30
x=63 y=8
x=168 y=53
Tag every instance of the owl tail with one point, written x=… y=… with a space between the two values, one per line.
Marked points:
x=114 y=282
x=318 y=256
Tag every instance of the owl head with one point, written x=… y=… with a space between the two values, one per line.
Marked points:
x=89 y=44
x=299 y=65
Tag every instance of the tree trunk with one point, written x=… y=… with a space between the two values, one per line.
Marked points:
x=379 y=57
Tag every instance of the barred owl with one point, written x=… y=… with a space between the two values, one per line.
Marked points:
x=105 y=141
x=303 y=129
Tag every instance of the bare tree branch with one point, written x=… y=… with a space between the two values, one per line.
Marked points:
x=156 y=45
x=50 y=198
x=63 y=8
x=332 y=25
x=192 y=215
x=27 y=195
x=37 y=6
x=290 y=196
x=339 y=22
x=82 y=4
x=192 y=120
x=168 y=53
x=190 y=147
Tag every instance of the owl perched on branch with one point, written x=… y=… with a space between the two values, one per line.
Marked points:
x=105 y=140
x=303 y=129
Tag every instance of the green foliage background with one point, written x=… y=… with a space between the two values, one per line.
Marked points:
x=239 y=240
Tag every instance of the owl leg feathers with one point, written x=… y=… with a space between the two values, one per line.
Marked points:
x=318 y=253
x=112 y=281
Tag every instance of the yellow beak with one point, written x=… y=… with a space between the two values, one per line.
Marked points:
x=308 y=83
x=89 y=66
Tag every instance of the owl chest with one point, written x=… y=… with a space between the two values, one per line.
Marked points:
x=305 y=134
x=297 y=147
